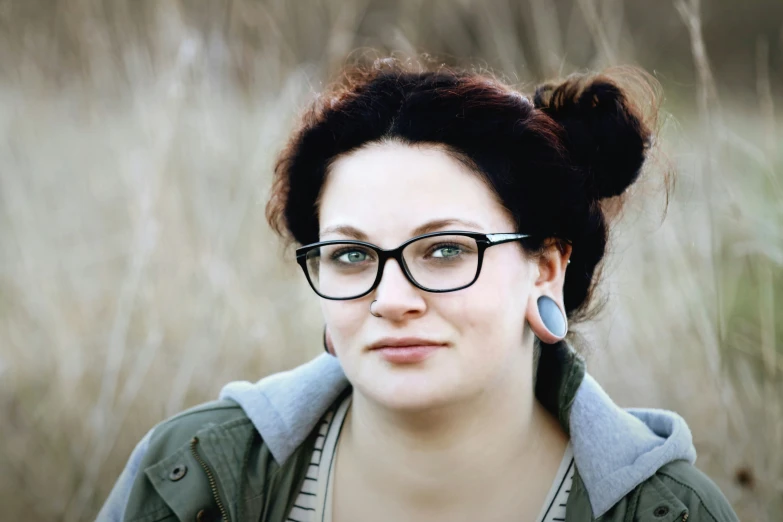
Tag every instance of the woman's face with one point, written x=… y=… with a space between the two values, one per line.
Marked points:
x=387 y=191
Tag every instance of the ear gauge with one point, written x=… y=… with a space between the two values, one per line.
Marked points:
x=553 y=318
x=328 y=347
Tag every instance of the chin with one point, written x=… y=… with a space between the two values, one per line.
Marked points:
x=409 y=389
x=408 y=403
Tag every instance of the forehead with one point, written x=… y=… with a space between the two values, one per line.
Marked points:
x=388 y=190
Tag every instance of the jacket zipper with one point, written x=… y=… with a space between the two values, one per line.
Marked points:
x=210 y=477
x=685 y=517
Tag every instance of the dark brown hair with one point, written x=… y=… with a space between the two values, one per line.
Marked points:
x=550 y=159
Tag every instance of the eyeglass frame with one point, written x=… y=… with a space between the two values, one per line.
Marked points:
x=483 y=242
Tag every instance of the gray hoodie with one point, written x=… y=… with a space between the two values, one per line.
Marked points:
x=615 y=449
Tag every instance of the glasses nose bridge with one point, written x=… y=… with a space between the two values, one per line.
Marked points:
x=386 y=255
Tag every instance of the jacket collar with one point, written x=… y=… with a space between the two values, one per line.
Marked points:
x=560 y=373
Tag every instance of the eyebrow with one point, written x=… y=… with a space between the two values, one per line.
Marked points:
x=430 y=226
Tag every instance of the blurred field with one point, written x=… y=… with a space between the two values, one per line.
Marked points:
x=137 y=274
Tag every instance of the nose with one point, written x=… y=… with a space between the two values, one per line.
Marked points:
x=395 y=295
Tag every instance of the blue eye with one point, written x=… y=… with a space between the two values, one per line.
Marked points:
x=355 y=255
x=447 y=246
x=349 y=256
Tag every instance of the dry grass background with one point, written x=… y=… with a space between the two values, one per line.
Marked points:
x=137 y=274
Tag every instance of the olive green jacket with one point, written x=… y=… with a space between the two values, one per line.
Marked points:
x=212 y=463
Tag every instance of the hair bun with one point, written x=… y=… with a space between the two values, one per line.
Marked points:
x=604 y=134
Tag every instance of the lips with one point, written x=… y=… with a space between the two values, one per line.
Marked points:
x=407 y=350
x=400 y=342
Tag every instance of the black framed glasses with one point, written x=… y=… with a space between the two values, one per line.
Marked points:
x=438 y=262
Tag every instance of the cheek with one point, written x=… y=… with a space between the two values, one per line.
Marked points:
x=345 y=320
x=494 y=307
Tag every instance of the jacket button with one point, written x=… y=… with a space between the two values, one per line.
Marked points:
x=178 y=472
x=661 y=511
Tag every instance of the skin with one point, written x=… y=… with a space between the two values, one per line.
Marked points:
x=460 y=435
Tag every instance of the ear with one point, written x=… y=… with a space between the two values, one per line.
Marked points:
x=328 y=346
x=546 y=308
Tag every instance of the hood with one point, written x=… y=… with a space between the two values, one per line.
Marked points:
x=615 y=449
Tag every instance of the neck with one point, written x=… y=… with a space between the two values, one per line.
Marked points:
x=458 y=454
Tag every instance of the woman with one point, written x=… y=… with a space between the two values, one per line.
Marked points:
x=452 y=228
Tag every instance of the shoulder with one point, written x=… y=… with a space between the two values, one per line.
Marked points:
x=178 y=429
x=208 y=413
x=697 y=491
x=164 y=440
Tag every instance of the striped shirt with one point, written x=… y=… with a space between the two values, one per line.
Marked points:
x=554 y=507
x=314 y=502
x=314 y=496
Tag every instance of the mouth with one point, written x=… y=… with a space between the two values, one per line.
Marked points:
x=408 y=350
